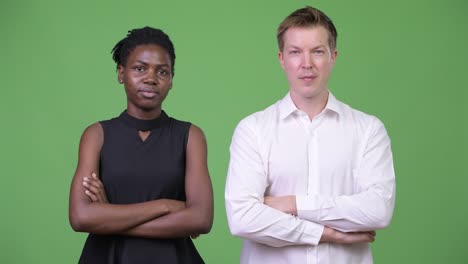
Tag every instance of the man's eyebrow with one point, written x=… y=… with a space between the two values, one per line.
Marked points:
x=320 y=46
x=315 y=47
x=292 y=47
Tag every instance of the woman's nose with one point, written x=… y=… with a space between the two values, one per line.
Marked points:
x=151 y=78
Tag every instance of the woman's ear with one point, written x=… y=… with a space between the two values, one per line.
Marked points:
x=120 y=73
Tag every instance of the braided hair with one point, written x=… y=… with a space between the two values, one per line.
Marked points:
x=142 y=36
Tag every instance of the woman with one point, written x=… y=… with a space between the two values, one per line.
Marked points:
x=141 y=187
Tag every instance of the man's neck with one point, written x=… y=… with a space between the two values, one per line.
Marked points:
x=312 y=106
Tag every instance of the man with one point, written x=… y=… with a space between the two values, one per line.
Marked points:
x=310 y=179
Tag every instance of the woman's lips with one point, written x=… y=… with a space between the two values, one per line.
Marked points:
x=147 y=93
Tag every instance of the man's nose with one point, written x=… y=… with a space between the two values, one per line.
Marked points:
x=307 y=61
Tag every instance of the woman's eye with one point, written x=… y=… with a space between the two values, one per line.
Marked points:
x=139 y=69
x=164 y=74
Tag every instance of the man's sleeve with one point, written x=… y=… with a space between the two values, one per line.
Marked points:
x=246 y=183
x=369 y=209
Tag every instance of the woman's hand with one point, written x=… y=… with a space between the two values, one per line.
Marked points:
x=173 y=205
x=94 y=189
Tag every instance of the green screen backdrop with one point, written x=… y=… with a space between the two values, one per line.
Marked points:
x=403 y=61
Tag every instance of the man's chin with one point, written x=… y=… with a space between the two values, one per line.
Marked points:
x=311 y=92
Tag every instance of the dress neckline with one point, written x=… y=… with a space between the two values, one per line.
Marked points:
x=142 y=124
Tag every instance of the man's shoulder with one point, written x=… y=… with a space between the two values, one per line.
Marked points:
x=358 y=117
x=261 y=117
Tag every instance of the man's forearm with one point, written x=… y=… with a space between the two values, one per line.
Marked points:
x=287 y=204
x=331 y=235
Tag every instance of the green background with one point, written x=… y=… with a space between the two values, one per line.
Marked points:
x=403 y=61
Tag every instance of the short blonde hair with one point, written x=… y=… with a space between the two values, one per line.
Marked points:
x=307 y=17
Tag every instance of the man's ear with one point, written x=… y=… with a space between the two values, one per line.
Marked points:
x=280 y=59
x=335 y=54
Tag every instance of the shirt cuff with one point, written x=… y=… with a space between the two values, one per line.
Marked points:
x=309 y=207
x=314 y=232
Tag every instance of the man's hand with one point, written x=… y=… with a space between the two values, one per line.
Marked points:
x=286 y=204
x=334 y=236
x=94 y=189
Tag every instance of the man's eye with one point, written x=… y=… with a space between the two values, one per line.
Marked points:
x=294 y=52
x=139 y=69
x=319 y=52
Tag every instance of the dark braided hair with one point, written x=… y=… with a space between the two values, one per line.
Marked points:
x=142 y=36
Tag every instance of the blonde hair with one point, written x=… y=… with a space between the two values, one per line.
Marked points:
x=307 y=17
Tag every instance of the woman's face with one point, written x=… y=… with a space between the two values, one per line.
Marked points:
x=147 y=77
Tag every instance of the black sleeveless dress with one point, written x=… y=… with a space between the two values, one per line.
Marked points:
x=134 y=171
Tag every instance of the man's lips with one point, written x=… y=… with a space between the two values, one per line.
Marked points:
x=307 y=77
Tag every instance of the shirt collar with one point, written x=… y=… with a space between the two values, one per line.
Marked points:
x=333 y=104
x=287 y=106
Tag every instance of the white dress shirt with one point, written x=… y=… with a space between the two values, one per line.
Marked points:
x=339 y=166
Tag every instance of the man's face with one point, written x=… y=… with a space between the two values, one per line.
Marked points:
x=147 y=77
x=307 y=60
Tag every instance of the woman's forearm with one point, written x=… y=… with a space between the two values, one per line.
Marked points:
x=104 y=218
x=187 y=222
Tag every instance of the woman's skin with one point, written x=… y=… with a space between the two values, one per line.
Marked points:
x=147 y=77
